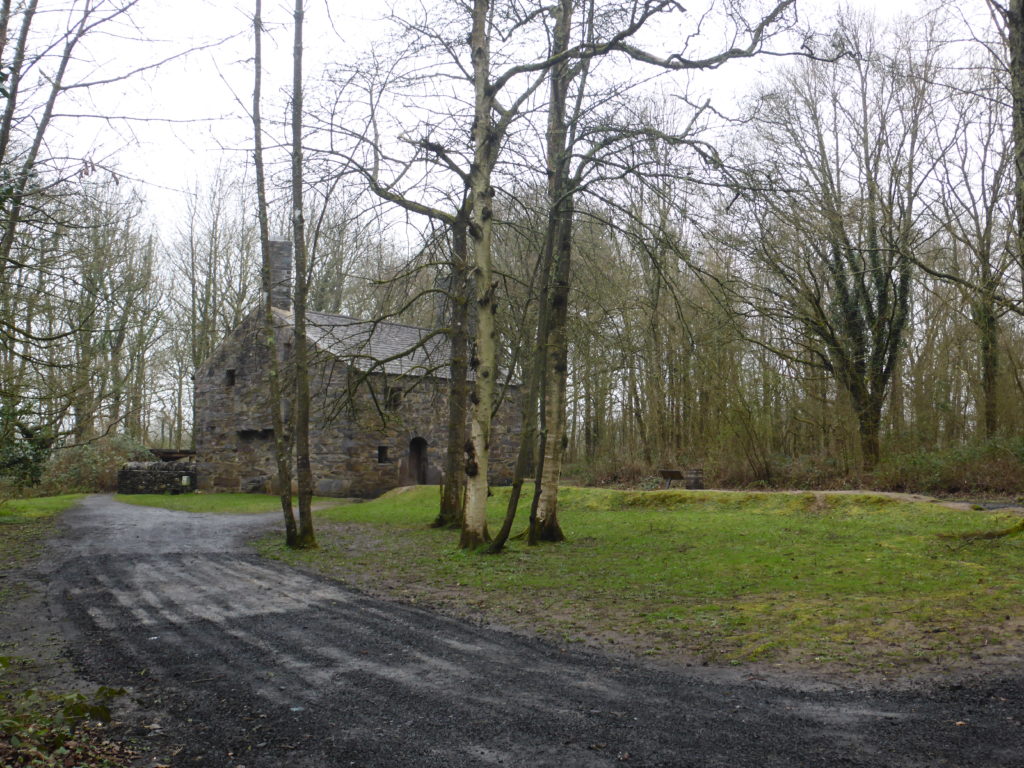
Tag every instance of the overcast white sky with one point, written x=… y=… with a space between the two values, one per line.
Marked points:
x=193 y=112
x=210 y=91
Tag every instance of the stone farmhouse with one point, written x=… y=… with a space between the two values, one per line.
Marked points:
x=379 y=404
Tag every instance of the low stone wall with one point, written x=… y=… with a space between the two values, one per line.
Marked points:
x=156 y=477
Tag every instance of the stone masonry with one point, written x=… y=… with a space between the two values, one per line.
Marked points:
x=379 y=410
x=157 y=477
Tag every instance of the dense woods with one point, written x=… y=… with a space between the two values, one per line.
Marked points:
x=818 y=285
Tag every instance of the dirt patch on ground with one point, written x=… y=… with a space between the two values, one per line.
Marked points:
x=32 y=640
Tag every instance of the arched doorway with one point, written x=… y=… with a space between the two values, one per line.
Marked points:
x=418 y=461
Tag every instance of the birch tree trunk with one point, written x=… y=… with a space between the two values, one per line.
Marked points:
x=453 y=492
x=483 y=362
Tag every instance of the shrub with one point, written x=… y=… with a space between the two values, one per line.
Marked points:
x=90 y=467
x=25 y=447
x=608 y=471
x=993 y=466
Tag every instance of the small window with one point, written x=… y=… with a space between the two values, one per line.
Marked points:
x=392 y=398
x=229 y=377
x=255 y=434
x=382 y=454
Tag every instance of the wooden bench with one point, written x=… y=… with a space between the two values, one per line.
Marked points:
x=693 y=479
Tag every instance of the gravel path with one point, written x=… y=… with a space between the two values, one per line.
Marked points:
x=237 y=661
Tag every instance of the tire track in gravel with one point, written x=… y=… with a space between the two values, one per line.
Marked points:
x=254 y=664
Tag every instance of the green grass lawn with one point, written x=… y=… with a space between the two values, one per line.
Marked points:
x=215 y=503
x=849 y=581
x=25 y=523
x=24 y=526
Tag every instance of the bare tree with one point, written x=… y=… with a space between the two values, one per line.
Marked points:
x=305 y=537
x=970 y=207
x=1010 y=17
x=555 y=259
x=593 y=148
x=282 y=437
x=838 y=224
x=214 y=260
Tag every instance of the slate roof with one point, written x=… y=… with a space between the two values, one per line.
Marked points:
x=391 y=348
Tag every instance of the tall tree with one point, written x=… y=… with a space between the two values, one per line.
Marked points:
x=565 y=182
x=552 y=340
x=838 y=225
x=1010 y=16
x=214 y=260
x=971 y=207
x=282 y=438
x=486 y=141
x=306 y=537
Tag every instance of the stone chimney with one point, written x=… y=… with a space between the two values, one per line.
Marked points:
x=281 y=274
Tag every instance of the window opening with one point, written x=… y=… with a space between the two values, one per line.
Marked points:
x=382 y=454
x=256 y=434
x=392 y=398
x=229 y=377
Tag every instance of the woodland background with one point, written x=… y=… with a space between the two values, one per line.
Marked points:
x=820 y=286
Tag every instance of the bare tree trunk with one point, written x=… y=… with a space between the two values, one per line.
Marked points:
x=485 y=140
x=544 y=520
x=545 y=526
x=1014 y=20
x=453 y=492
x=306 y=538
x=988 y=325
x=530 y=405
x=538 y=428
x=869 y=422
x=179 y=413
x=282 y=443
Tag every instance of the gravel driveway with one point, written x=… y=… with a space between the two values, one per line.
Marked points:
x=237 y=661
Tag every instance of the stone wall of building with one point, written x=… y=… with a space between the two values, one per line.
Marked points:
x=233 y=426
x=368 y=433
x=391 y=432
